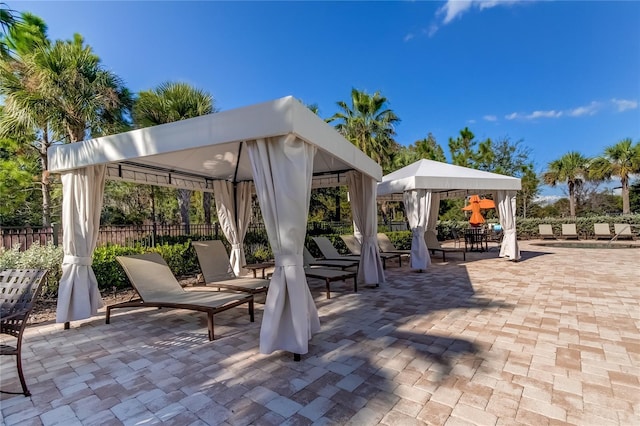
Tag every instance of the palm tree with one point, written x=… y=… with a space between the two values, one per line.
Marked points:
x=58 y=93
x=620 y=160
x=571 y=168
x=171 y=102
x=368 y=124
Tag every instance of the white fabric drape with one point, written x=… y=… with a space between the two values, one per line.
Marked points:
x=417 y=203
x=431 y=234
x=282 y=170
x=506 y=201
x=82 y=191
x=362 y=194
x=234 y=212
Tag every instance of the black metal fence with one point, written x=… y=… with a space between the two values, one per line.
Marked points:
x=154 y=234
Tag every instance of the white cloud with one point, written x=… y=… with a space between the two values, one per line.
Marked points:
x=544 y=114
x=409 y=37
x=624 y=104
x=472 y=121
x=453 y=9
x=546 y=200
x=490 y=118
x=590 y=109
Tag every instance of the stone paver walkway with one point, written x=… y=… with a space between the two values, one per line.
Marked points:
x=553 y=339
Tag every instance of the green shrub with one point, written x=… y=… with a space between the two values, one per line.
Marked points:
x=181 y=258
x=400 y=239
x=36 y=257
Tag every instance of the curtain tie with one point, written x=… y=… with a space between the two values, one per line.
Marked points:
x=236 y=246
x=418 y=231
x=373 y=241
x=288 y=260
x=77 y=260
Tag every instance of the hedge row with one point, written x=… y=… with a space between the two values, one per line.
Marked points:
x=182 y=260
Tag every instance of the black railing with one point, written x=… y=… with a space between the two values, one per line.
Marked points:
x=150 y=235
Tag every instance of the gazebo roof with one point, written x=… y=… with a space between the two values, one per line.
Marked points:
x=444 y=178
x=192 y=153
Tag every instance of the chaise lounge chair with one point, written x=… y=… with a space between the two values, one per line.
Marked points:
x=157 y=287
x=545 y=231
x=386 y=246
x=354 y=247
x=343 y=264
x=434 y=246
x=601 y=230
x=19 y=289
x=329 y=251
x=217 y=271
x=327 y=274
x=569 y=231
x=623 y=230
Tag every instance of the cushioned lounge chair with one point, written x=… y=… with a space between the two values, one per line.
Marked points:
x=19 y=289
x=601 y=230
x=329 y=251
x=434 y=246
x=623 y=230
x=569 y=231
x=386 y=246
x=157 y=287
x=343 y=264
x=217 y=271
x=354 y=247
x=545 y=231
x=327 y=274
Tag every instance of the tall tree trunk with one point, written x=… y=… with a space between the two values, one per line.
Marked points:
x=184 y=202
x=44 y=180
x=572 y=199
x=626 y=206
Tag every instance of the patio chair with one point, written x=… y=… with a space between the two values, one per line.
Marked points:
x=329 y=251
x=329 y=263
x=601 y=230
x=354 y=247
x=386 y=246
x=217 y=271
x=157 y=287
x=623 y=230
x=545 y=231
x=434 y=246
x=327 y=274
x=19 y=289
x=569 y=231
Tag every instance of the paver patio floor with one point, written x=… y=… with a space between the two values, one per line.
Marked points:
x=552 y=339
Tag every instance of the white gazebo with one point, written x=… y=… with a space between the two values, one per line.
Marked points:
x=280 y=146
x=424 y=183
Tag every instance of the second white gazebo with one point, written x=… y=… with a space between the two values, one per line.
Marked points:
x=424 y=183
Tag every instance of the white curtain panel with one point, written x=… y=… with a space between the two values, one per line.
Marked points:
x=82 y=191
x=506 y=201
x=227 y=209
x=431 y=234
x=282 y=171
x=362 y=194
x=417 y=203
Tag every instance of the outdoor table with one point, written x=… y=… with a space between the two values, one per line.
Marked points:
x=255 y=266
x=475 y=239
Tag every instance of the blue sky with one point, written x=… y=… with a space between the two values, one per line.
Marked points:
x=558 y=75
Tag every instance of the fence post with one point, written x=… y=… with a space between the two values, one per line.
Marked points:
x=55 y=229
x=216 y=230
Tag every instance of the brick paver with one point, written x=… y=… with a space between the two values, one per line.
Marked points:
x=552 y=339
